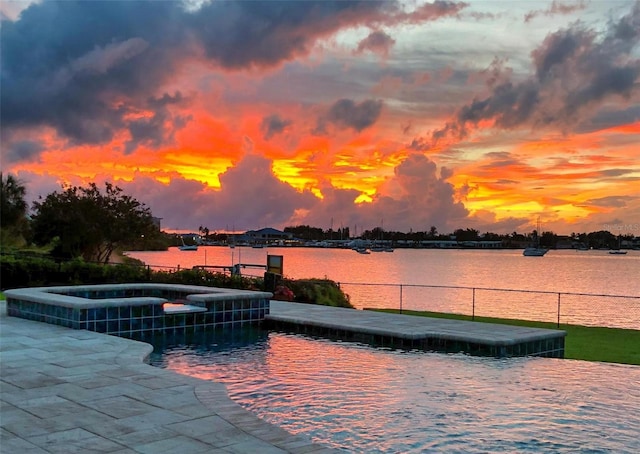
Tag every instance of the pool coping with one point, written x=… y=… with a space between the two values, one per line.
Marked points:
x=198 y=294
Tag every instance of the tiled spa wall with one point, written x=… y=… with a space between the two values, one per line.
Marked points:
x=133 y=320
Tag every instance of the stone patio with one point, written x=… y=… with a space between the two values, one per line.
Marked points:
x=75 y=391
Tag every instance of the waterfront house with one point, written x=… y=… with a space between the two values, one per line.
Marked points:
x=264 y=236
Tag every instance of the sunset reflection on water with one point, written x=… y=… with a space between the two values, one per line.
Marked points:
x=364 y=399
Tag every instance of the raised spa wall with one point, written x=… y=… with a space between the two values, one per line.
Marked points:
x=137 y=310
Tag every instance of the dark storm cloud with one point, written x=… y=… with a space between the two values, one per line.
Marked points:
x=272 y=125
x=346 y=113
x=24 y=150
x=419 y=144
x=77 y=66
x=557 y=48
x=510 y=105
x=606 y=81
x=158 y=129
x=80 y=66
x=377 y=42
x=263 y=34
x=610 y=118
x=576 y=71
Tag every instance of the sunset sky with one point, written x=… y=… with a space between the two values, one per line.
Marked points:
x=408 y=114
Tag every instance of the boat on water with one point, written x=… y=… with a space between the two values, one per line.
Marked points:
x=534 y=250
x=362 y=250
x=187 y=247
x=380 y=245
x=617 y=250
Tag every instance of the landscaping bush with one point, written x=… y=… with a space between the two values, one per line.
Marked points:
x=197 y=276
x=28 y=271
x=324 y=292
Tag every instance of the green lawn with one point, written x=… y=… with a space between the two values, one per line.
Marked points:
x=610 y=345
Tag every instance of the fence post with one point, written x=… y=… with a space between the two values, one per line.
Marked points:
x=401 y=298
x=558 y=325
x=473 y=304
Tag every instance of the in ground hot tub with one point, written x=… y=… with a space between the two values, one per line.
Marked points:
x=135 y=310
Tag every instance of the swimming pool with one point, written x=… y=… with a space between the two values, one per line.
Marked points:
x=363 y=399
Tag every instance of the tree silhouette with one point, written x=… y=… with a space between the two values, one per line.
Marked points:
x=13 y=209
x=84 y=222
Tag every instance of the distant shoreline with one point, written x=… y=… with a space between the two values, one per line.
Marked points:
x=404 y=246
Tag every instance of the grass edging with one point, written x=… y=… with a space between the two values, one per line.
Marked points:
x=587 y=343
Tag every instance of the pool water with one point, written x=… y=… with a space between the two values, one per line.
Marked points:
x=364 y=399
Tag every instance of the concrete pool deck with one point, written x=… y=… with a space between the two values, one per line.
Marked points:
x=71 y=391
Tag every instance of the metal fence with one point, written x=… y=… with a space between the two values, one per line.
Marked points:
x=589 y=309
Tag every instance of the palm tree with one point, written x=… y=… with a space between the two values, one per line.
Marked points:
x=13 y=211
x=13 y=207
x=204 y=232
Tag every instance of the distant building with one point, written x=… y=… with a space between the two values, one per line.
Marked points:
x=449 y=244
x=482 y=244
x=263 y=236
x=566 y=243
x=156 y=222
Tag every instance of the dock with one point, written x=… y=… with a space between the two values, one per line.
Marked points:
x=415 y=332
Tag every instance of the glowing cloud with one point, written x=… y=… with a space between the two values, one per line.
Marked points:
x=274 y=113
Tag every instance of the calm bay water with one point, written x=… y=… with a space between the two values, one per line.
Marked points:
x=565 y=271
x=363 y=399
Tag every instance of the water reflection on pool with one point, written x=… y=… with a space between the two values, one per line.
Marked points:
x=363 y=399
